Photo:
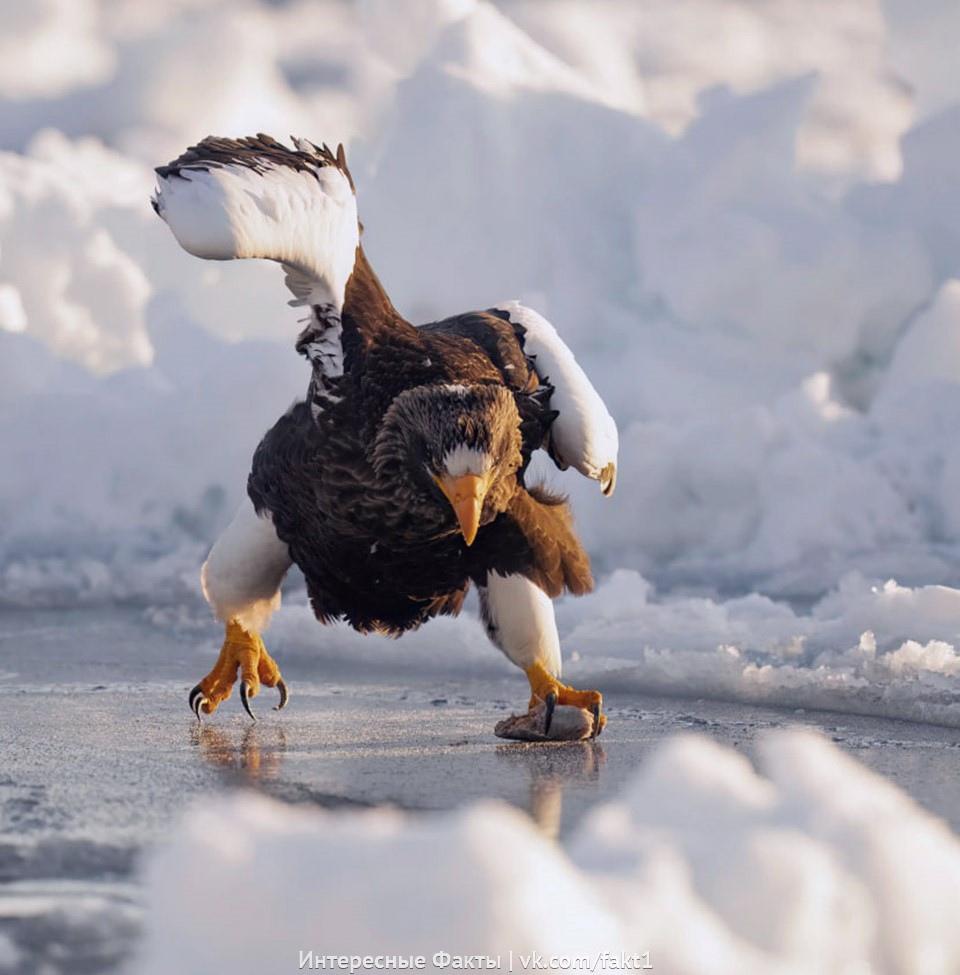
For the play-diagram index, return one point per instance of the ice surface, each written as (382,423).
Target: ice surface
(750,244)
(811,864)
(99,758)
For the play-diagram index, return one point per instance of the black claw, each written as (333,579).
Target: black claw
(550,702)
(596,720)
(284,695)
(197,700)
(244,692)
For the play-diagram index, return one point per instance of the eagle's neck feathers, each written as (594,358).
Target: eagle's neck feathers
(367,308)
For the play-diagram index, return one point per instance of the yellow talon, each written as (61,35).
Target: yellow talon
(544,687)
(242,653)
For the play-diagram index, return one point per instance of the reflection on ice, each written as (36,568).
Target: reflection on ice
(251,756)
(552,767)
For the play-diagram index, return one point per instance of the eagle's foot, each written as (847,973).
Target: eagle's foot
(546,690)
(242,653)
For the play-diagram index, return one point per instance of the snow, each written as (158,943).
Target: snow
(737,215)
(657,58)
(60,260)
(808,863)
(9,953)
(863,648)
(60,35)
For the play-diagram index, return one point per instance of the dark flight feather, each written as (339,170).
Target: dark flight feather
(256,153)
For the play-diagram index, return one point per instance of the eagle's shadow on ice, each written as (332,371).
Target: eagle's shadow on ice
(552,767)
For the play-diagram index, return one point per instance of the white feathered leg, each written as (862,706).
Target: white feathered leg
(520,621)
(243,572)
(241,581)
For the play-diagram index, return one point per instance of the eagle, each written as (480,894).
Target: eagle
(400,478)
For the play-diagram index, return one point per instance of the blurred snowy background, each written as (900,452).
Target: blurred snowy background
(744,217)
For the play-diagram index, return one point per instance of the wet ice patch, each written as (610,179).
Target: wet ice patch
(57,927)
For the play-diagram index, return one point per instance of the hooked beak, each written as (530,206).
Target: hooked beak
(465,494)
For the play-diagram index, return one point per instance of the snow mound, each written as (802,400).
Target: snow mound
(49,47)
(811,865)
(886,650)
(656,58)
(60,260)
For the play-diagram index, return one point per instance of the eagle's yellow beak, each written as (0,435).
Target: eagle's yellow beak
(465,494)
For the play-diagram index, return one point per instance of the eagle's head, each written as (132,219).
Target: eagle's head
(454,447)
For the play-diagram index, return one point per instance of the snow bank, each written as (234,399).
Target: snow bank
(885,650)
(137,67)
(812,864)
(50,47)
(112,488)
(60,261)
(657,57)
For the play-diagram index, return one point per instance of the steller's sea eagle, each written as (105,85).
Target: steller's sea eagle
(400,478)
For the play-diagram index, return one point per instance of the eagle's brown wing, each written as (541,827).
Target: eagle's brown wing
(535,538)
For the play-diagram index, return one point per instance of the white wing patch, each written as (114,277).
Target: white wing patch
(584,435)
(304,218)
